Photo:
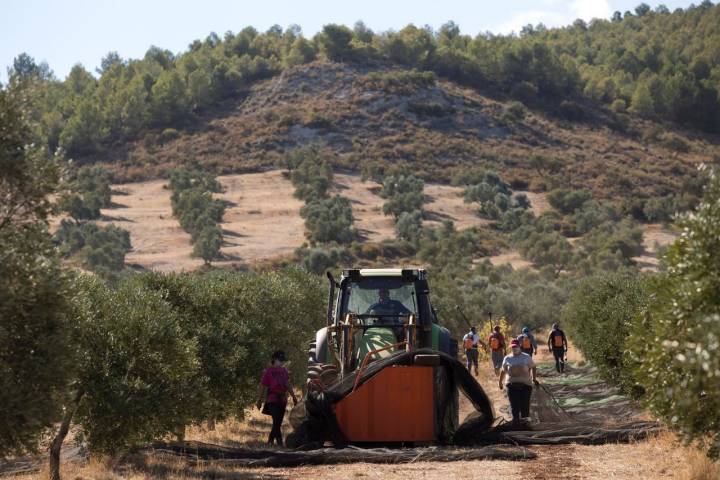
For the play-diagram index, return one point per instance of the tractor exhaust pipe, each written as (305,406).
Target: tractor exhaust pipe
(331,297)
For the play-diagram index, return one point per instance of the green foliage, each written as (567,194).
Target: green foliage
(197,211)
(678,364)
(237,320)
(335,43)
(102,249)
(592,214)
(409,226)
(567,201)
(328,220)
(34,341)
(497,201)
(599,317)
(320,260)
(135,366)
(313,177)
(89,191)
(34,289)
(610,246)
(524,297)
(542,245)
(398,81)
(514,111)
(661,209)
(444,245)
(404,193)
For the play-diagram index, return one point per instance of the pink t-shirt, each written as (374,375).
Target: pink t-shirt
(276,379)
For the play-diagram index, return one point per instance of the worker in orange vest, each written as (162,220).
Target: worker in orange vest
(496,342)
(527,342)
(471,341)
(558,346)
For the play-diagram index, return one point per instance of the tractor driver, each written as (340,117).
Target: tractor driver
(387,306)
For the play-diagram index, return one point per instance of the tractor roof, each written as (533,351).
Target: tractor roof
(414,273)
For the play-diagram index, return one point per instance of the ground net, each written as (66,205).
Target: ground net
(576,407)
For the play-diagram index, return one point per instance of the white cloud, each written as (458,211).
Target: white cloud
(589,9)
(556,13)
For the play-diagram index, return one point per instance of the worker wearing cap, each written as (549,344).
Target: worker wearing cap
(518,374)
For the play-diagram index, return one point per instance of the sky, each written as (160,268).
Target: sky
(64,33)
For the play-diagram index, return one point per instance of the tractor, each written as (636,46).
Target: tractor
(385,357)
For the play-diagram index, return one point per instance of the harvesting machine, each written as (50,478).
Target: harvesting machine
(383,370)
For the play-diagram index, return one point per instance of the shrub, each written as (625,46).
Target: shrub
(567,201)
(524,91)
(675,142)
(320,260)
(101,248)
(571,110)
(329,220)
(599,318)
(661,209)
(409,226)
(430,109)
(208,243)
(398,81)
(404,193)
(591,215)
(514,111)
(312,178)
(619,106)
(197,211)
(168,135)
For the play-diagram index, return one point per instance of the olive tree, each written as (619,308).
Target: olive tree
(677,341)
(33,289)
(133,369)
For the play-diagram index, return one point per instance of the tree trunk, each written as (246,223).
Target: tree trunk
(57,442)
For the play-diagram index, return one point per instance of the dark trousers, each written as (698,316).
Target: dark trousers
(519,397)
(559,354)
(277,412)
(472,358)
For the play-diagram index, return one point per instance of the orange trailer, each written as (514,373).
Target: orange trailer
(396,405)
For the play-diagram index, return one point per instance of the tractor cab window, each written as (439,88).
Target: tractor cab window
(380,301)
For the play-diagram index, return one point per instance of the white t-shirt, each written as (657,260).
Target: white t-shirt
(473,336)
(517,369)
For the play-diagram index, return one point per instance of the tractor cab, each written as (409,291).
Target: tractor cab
(374,313)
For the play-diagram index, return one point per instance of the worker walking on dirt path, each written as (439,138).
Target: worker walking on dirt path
(527,342)
(518,374)
(274,389)
(557,345)
(496,341)
(471,341)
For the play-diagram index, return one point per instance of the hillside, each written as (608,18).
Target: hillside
(262,221)
(435,127)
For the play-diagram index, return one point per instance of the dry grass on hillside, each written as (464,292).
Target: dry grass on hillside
(262,221)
